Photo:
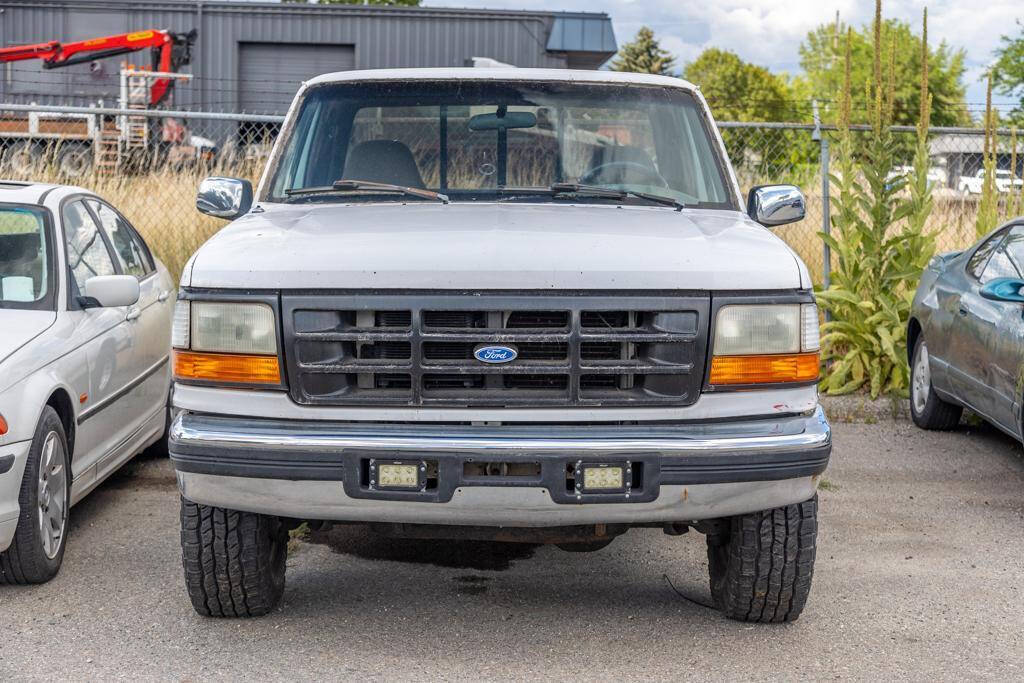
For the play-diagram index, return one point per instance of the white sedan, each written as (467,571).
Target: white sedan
(85,324)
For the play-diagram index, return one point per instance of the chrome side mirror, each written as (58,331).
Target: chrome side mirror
(772,205)
(226,198)
(107,291)
(1004,289)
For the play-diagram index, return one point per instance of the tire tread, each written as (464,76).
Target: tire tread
(761,571)
(233,561)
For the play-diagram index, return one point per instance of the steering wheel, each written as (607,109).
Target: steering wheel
(646,174)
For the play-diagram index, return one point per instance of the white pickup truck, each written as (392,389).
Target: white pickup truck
(1005,182)
(514,304)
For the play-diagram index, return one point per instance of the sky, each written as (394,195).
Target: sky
(769,32)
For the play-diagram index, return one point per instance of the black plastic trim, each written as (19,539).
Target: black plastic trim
(6,463)
(657,470)
(574,368)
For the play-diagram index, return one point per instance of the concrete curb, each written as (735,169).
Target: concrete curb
(861,408)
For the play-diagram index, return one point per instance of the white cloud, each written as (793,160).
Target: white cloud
(769,32)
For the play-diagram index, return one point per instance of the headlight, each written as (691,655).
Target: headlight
(233,328)
(765,344)
(225,342)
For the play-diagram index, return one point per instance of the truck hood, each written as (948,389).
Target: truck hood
(18,327)
(493,246)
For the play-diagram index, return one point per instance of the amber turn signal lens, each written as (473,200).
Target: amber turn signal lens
(764,369)
(3,425)
(226,367)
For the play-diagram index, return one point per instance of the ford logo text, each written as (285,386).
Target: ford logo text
(495,354)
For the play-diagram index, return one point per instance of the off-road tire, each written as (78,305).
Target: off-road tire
(234,561)
(936,414)
(25,561)
(761,563)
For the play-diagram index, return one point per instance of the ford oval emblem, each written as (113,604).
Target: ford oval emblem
(495,354)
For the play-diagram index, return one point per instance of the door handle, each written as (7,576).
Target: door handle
(163,296)
(133,314)
(963,311)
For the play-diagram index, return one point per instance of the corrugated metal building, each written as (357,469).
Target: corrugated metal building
(251,56)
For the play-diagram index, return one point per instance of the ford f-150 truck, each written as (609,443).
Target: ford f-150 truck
(509,304)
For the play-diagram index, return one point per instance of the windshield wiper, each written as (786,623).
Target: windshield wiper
(355,185)
(601,191)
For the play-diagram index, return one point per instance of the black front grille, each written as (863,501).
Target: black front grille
(418,349)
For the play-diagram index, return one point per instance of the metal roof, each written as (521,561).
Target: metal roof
(954,143)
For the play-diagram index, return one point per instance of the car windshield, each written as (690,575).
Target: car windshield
(507,140)
(25,258)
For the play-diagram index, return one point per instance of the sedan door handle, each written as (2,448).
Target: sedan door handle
(163,296)
(133,314)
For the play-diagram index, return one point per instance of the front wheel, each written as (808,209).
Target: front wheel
(926,408)
(234,561)
(761,563)
(36,553)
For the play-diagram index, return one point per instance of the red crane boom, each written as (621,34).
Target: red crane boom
(170,52)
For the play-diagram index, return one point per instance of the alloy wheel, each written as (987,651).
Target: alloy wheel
(922,384)
(52,496)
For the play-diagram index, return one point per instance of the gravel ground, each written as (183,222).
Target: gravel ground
(919,576)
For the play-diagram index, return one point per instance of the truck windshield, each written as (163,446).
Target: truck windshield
(485,140)
(25,259)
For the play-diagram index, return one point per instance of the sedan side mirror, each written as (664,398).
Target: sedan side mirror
(224,197)
(772,205)
(109,291)
(1003,289)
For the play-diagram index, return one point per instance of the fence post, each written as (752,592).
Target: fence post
(826,222)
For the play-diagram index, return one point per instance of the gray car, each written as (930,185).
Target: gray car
(966,334)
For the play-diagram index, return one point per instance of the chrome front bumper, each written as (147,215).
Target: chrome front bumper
(319,470)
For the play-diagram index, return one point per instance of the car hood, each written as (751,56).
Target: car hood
(18,327)
(493,246)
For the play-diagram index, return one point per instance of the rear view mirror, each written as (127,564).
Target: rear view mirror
(772,205)
(224,197)
(110,290)
(1003,289)
(503,120)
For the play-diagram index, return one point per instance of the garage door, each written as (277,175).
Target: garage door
(272,72)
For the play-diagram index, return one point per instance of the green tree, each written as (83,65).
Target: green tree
(644,54)
(740,91)
(821,56)
(406,3)
(1008,72)
(737,90)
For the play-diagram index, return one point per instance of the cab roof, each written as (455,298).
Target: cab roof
(501,74)
(20,192)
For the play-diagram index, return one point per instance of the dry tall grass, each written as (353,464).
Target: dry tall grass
(161,205)
(951,221)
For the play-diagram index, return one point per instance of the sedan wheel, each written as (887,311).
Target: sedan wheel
(37,550)
(922,379)
(53,495)
(926,408)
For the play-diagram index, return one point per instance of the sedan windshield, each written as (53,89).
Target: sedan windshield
(511,140)
(25,258)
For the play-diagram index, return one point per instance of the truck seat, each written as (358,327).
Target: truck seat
(383,161)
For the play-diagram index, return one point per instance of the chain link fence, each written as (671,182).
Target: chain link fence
(149,164)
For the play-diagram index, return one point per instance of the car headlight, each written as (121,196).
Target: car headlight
(225,342)
(765,344)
